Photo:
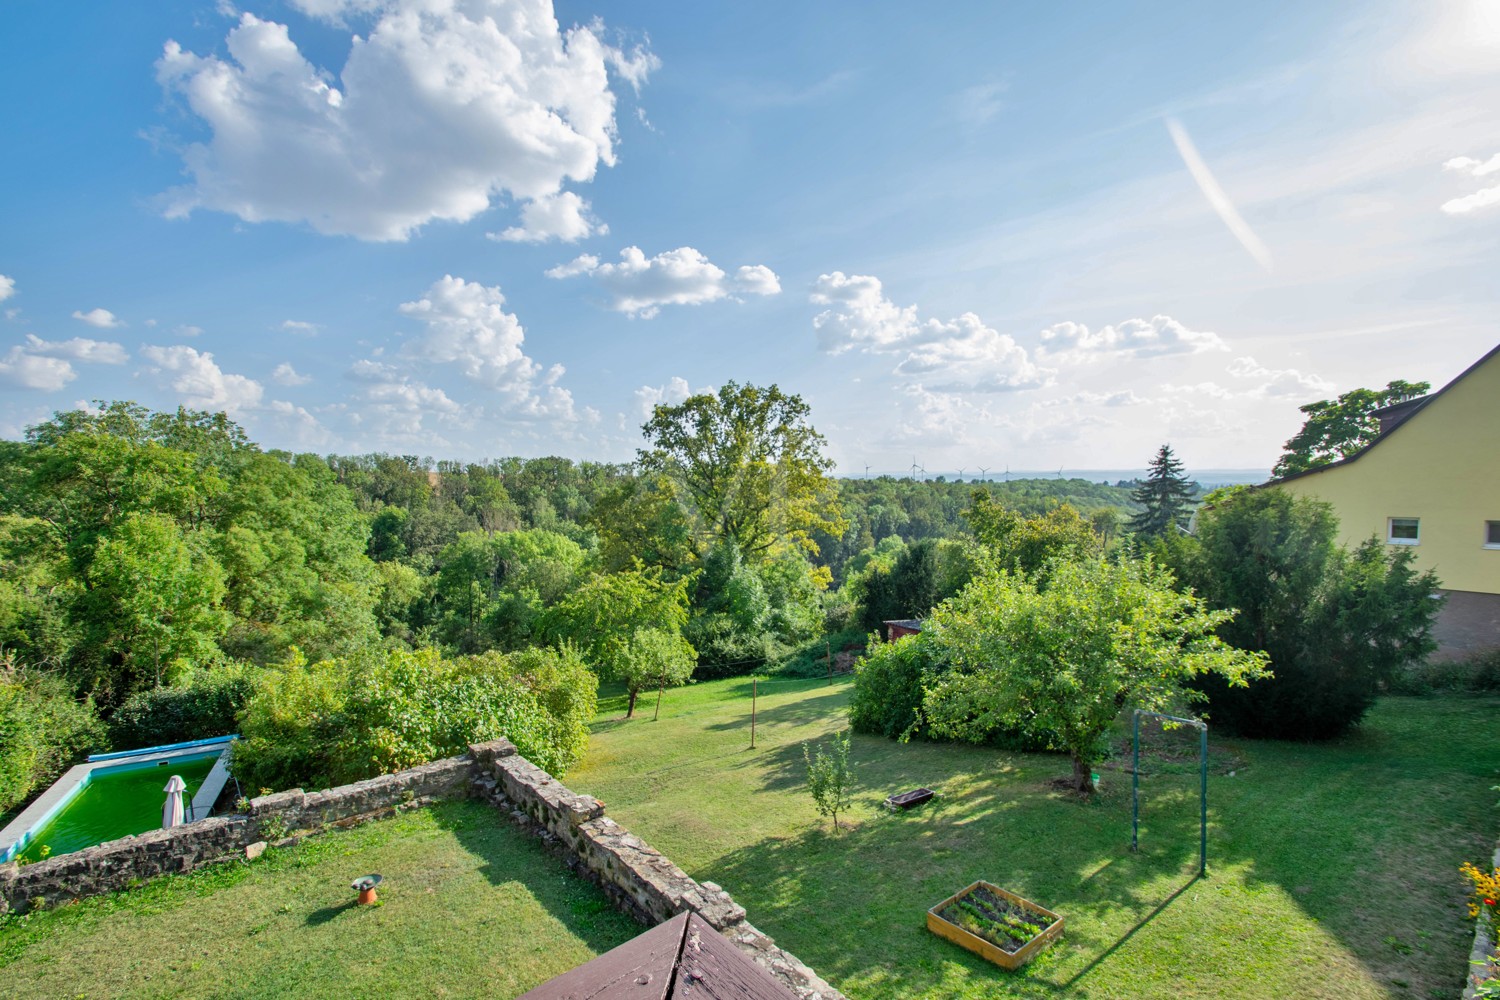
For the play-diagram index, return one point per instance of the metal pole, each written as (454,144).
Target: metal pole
(1135,779)
(753,682)
(1203,800)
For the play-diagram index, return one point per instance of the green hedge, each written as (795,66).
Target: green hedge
(337,721)
(205,708)
(43,731)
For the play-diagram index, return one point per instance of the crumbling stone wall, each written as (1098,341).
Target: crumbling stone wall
(638,877)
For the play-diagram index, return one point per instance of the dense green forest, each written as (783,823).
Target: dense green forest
(162,577)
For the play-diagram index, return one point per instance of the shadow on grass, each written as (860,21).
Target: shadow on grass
(1102,956)
(853,904)
(512,856)
(803,712)
(318,918)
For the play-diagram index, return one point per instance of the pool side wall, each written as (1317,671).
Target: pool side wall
(636,876)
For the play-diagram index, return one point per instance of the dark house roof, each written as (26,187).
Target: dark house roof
(1392,418)
(681,959)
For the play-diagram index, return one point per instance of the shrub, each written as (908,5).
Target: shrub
(204,708)
(43,731)
(339,721)
(1479,674)
(1338,625)
(887,698)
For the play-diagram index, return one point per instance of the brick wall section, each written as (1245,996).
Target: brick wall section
(637,876)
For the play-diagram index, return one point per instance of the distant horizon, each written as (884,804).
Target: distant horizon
(1214,476)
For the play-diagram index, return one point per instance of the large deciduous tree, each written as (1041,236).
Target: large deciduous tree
(1337,428)
(751,465)
(1059,663)
(1166,497)
(153,608)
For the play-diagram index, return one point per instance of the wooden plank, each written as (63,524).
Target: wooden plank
(639,969)
(712,968)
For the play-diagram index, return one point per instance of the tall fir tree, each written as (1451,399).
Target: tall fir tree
(1166,496)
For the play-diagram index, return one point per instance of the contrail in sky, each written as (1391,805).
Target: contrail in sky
(1216,196)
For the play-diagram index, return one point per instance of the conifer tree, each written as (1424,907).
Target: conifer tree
(1166,495)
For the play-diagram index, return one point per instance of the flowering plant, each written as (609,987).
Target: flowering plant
(1486,894)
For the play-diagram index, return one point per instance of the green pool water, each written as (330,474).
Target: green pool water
(115,804)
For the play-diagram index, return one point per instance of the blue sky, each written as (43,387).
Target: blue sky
(990,234)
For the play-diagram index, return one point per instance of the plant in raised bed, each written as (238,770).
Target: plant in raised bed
(996,924)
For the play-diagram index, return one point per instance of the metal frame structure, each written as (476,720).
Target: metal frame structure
(1135,781)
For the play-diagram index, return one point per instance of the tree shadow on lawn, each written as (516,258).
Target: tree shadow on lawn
(1362,835)
(803,712)
(512,855)
(853,904)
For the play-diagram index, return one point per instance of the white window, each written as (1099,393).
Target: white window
(1403,530)
(1492,534)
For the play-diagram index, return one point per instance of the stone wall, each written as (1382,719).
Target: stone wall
(643,881)
(639,878)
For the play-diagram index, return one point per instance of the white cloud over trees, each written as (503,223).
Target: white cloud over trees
(960,354)
(198,381)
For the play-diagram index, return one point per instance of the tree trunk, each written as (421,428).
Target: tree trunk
(630,709)
(1083,777)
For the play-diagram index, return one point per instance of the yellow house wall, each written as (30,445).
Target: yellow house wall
(1442,466)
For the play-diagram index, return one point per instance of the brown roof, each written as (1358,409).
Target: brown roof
(683,958)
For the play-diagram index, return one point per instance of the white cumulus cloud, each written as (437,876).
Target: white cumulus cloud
(1074,343)
(440,107)
(20,369)
(300,326)
(465,325)
(98,352)
(676,390)
(1279,381)
(1484,197)
(961,354)
(285,374)
(639,285)
(7,287)
(198,380)
(102,318)
(564,217)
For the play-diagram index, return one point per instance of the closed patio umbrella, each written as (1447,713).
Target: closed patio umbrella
(171,811)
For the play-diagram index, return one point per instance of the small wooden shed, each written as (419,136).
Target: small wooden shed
(896,628)
(681,959)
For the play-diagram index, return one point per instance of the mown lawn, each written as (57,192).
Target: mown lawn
(1333,868)
(470,907)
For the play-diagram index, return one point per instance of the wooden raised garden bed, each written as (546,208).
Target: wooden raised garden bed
(905,800)
(995,924)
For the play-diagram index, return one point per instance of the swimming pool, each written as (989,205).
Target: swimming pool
(116,803)
(116,795)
